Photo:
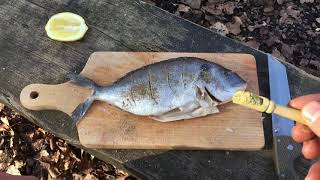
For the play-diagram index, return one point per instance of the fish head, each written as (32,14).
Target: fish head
(224,84)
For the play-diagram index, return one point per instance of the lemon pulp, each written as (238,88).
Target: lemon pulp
(66,26)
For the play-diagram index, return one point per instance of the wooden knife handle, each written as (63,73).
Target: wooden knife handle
(63,97)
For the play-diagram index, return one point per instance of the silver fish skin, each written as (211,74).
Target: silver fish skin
(174,89)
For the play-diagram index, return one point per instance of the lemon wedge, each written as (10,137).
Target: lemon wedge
(66,26)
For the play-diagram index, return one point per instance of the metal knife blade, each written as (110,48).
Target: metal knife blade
(286,151)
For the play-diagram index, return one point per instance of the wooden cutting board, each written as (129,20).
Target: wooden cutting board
(104,126)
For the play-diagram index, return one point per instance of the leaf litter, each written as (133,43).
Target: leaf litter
(288,29)
(26,149)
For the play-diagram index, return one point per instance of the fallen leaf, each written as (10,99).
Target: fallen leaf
(3,166)
(66,165)
(74,156)
(213,9)
(216,1)
(55,157)
(54,172)
(41,130)
(234,28)
(220,28)
(183,8)
(304,62)
(61,145)
(76,176)
(272,40)
(90,177)
(253,43)
(287,50)
(290,16)
(19,164)
(280,2)
(306,1)
(45,165)
(256,26)
(44,153)
(228,7)
(268,6)
(52,144)
(1,106)
(13,170)
(315,63)
(4,127)
(37,145)
(194,4)
(5,121)
(11,142)
(276,53)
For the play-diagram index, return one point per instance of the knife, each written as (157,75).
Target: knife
(289,161)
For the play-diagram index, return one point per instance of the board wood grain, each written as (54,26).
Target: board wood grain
(105,126)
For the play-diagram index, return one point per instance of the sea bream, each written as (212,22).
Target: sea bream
(169,90)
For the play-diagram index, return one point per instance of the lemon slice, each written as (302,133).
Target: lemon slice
(66,26)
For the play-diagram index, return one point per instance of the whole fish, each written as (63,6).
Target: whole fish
(174,89)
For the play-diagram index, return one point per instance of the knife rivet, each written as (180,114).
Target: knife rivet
(290,147)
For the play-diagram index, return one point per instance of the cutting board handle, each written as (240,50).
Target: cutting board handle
(63,97)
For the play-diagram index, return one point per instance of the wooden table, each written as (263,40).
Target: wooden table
(28,56)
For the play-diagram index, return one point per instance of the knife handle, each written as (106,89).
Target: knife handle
(63,97)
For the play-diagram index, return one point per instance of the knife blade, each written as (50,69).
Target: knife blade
(287,153)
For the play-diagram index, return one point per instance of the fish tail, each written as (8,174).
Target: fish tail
(83,107)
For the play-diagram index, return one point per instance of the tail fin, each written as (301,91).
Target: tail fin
(82,108)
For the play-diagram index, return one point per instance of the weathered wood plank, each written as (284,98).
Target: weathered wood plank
(28,56)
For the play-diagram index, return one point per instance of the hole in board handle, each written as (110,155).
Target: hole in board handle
(34,95)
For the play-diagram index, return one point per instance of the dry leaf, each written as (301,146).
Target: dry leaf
(90,177)
(253,43)
(11,142)
(54,172)
(276,53)
(55,156)
(280,2)
(306,1)
(5,121)
(268,6)
(1,106)
(74,157)
(41,130)
(315,63)
(51,143)
(77,176)
(13,170)
(183,8)
(234,28)
(194,4)
(228,7)
(44,153)
(37,145)
(212,9)
(4,127)
(290,15)
(220,28)
(287,50)
(19,164)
